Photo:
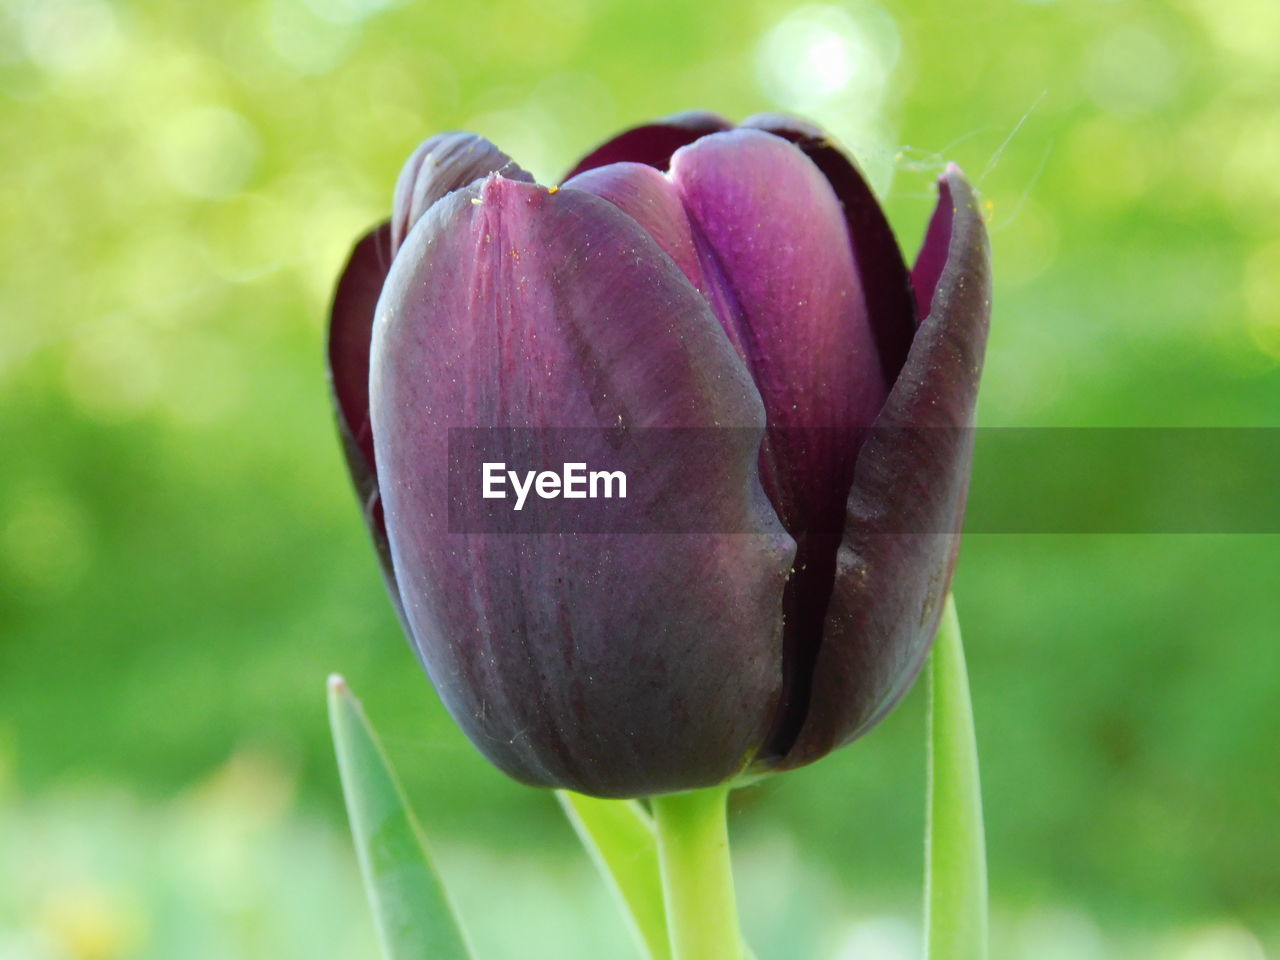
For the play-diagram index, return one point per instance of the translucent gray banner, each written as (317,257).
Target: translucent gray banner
(1025,480)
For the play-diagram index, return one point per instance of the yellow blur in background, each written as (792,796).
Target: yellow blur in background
(182,562)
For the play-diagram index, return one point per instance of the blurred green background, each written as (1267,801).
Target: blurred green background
(182,562)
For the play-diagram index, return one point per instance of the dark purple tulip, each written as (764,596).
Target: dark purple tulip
(687,274)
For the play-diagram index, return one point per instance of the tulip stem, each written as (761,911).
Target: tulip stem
(697,877)
(955,907)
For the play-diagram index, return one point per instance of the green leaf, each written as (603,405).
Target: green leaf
(955,852)
(411,909)
(619,836)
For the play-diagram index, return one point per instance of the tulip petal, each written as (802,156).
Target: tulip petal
(350,332)
(933,255)
(653,143)
(596,663)
(649,198)
(906,508)
(777,254)
(890,304)
(441,164)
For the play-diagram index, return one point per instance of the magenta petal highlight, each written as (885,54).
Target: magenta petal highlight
(890,302)
(934,252)
(649,198)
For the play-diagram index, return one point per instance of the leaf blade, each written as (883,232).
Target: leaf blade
(411,908)
(620,839)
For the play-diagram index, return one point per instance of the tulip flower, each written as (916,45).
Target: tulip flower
(687,274)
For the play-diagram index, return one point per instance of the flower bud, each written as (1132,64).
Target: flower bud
(687,277)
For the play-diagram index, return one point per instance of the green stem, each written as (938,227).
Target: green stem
(955,915)
(697,879)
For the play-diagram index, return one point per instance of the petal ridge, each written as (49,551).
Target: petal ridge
(441,164)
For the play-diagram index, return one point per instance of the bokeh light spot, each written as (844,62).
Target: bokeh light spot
(245,236)
(885,938)
(1262,299)
(91,923)
(348,11)
(44,542)
(306,42)
(1221,942)
(1060,933)
(208,151)
(1108,163)
(832,64)
(70,36)
(113,370)
(1025,241)
(1131,70)
(212,386)
(819,52)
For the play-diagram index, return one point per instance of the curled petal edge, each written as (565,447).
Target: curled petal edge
(653,143)
(906,507)
(350,334)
